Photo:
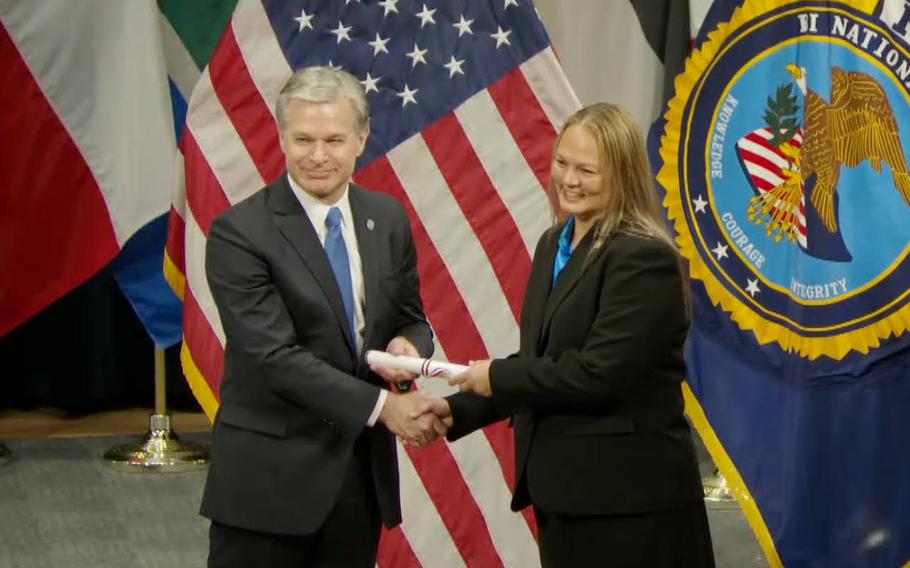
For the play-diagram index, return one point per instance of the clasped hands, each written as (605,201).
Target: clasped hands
(418,419)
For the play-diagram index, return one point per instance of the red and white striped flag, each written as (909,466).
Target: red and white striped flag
(466,100)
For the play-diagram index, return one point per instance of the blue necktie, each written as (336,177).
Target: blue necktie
(338,258)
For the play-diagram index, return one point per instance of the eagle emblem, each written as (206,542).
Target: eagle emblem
(784,156)
(857,125)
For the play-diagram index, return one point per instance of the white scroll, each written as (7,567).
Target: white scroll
(425,367)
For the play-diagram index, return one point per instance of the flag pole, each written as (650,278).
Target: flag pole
(5,454)
(161,450)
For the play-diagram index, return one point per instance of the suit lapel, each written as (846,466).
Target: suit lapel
(568,279)
(368,246)
(537,294)
(294,224)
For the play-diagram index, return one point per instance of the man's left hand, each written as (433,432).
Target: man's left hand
(398,346)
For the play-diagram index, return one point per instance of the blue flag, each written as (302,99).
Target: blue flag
(783,158)
(138,271)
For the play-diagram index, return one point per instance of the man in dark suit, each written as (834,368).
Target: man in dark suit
(308,274)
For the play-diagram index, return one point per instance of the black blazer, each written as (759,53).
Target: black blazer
(595,388)
(294,395)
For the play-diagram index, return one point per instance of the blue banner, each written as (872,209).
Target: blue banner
(783,161)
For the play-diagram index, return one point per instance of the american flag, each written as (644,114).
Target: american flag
(466,98)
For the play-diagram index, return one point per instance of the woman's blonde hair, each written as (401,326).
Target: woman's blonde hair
(631,199)
(631,204)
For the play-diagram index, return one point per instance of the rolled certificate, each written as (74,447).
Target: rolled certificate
(425,367)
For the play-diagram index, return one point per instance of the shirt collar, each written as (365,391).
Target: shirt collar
(317,211)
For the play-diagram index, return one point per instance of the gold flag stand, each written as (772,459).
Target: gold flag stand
(161,450)
(5,454)
(716,488)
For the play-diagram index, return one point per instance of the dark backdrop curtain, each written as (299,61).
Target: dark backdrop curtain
(87,352)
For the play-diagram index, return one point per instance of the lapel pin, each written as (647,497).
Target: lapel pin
(370,224)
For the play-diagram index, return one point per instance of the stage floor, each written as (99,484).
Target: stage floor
(62,506)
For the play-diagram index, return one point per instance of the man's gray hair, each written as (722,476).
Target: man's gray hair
(323,84)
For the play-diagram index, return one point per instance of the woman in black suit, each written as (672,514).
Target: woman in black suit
(603,452)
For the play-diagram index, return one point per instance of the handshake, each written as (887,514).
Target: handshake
(416,419)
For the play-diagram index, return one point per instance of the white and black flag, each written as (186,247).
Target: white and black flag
(625,52)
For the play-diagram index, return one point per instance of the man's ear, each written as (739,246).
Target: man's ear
(362,139)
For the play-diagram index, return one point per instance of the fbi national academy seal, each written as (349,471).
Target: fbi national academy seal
(785,161)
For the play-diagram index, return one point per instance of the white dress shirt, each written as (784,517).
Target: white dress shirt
(317,211)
